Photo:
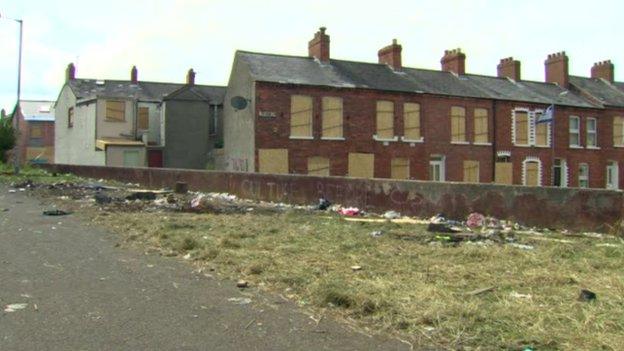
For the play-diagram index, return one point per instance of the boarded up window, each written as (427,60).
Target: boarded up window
(273,161)
(131,158)
(332,117)
(471,171)
(143,120)
(39,154)
(116,110)
(481,125)
(458,124)
(301,116)
(411,121)
(318,166)
(521,124)
(36,131)
(504,173)
(541,134)
(361,165)
(70,117)
(399,168)
(531,173)
(618,131)
(385,119)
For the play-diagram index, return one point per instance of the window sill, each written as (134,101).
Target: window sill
(375,137)
(405,140)
(593,148)
(482,144)
(618,146)
(577,147)
(333,138)
(542,146)
(301,137)
(460,142)
(521,145)
(114,120)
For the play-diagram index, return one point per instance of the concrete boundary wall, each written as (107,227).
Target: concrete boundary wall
(572,208)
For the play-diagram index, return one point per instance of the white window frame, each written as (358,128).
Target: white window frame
(583,177)
(563,165)
(574,131)
(593,132)
(531,129)
(513,126)
(614,183)
(439,162)
(539,170)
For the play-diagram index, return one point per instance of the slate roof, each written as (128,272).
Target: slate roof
(609,94)
(37,110)
(213,94)
(349,74)
(145,91)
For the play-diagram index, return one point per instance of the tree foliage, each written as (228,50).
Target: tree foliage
(7,137)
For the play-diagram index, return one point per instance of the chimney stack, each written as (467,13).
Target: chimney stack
(556,67)
(134,75)
(604,70)
(318,47)
(70,72)
(190,77)
(454,61)
(391,55)
(510,68)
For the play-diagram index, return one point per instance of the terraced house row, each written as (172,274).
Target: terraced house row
(321,116)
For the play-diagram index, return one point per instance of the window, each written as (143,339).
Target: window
(385,120)
(583,176)
(143,120)
(361,165)
(332,117)
(592,133)
(436,168)
(471,171)
(481,125)
(318,166)
(532,173)
(618,131)
(411,121)
(70,117)
(458,124)
(504,170)
(521,127)
(36,131)
(560,173)
(116,111)
(399,168)
(612,175)
(300,116)
(273,161)
(541,131)
(575,133)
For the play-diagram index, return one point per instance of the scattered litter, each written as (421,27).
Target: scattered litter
(180,188)
(376,233)
(587,295)
(323,204)
(607,245)
(520,296)
(367,220)
(475,220)
(481,291)
(141,195)
(102,199)
(593,235)
(349,211)
(55,213)
(187,256)
(14,307)
(391,215)
(242,284)
(443,228)
(356,268)
(240,300)
(12,190)
(522,246)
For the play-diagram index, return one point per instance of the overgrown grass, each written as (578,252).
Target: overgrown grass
(412,288)
(36,174)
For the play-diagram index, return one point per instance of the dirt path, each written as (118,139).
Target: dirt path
(70,288)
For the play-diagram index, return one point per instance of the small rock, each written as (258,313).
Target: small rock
(242,283)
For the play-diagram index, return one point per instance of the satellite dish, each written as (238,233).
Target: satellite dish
(238,102)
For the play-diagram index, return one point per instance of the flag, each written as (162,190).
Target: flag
(547,116)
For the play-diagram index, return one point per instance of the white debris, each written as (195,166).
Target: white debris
(240,300)
(14,307)
(391,215)
(520,296)
(522,246)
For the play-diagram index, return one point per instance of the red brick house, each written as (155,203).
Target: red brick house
(36,131)
(321,116)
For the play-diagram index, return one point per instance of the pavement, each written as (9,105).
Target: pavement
(64,285)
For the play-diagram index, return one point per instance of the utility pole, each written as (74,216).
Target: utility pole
(18,108)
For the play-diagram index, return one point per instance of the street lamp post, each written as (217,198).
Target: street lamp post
(16,156)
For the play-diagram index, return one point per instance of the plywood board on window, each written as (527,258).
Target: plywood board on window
(531,174)
(618,130)
(522,127)
(116,110)
(332,117)
(458,124)
(301,116)
(273,161)
(399,168)
(504,173)
(411,121)
(541,134)
(385,119)
(36,131)
(481,125)
(318,166)
(143,118)
(471,171)
(361,165)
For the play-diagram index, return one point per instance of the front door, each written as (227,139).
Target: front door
(612,175)
(154,158)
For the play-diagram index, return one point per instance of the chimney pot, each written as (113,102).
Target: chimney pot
(510,68)
(603,69)
(318,47)
(556,69)
(70,72)
(190,77)
(134,75)
(391,55)
(454,61)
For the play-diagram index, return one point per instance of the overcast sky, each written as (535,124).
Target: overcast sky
(166,38)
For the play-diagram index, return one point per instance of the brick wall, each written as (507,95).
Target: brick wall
(576,209)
